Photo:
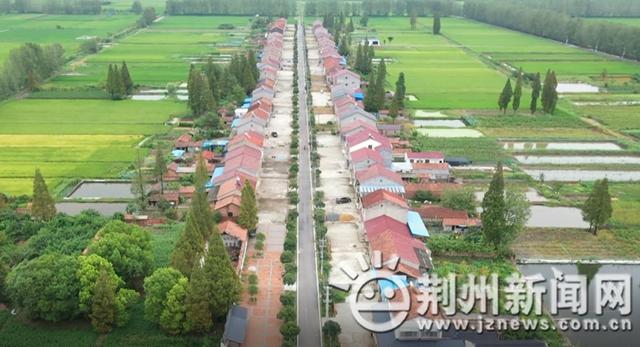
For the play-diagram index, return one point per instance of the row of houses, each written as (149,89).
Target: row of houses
(391,227)
(255,112)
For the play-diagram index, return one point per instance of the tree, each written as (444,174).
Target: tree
(190,244)
(493,210)
(517,93)
(118,89)
(200,95)
(45,287)
(597,208)
(173,318)
(89,269)
(248,217)
(248,79)
(126,78)
(127,247)
(381,79)
(436,24)
(459,199)
(139,183)
(223,284)
(505,96)
(370,104)
(156,289)
(517,214)
(160,167)
(401,90)
(331,329)
(103,307)
(199,315)
(413,20)
(535,93)
(359,57)
(136,7)
(549,93)
(289,331)
(200,203)
(32,81)
(148,17)
(350,27)
(364,19)
(343,47)
(393,110)
(42,205)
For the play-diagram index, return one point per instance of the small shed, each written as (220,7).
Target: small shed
(457,161)
(416,225)
(235,329)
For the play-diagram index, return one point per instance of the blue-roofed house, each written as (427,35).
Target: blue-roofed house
(219,171)
(177,154)
(211,145)
(416,225)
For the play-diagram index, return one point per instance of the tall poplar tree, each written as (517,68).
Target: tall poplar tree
(493,210)
(160,167)
(505,96)
(248,217)
(401,90)
(199,315)
(517,93)
(381,79)
(188,247)
(126,78)
(436,24)
(535,93)
(200,203)
(103,306)
(370,95)
(549,93)
(42,205)
(224,286)
(139,183)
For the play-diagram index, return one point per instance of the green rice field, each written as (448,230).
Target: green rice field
(67,30)
(438,74)
(161,53)
(70,139)
(531,53)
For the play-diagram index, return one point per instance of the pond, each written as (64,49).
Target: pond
(429,114)
(594,338)
(563,146)
(439,123)
(104,208)
(592,159)
(556,217)
(450,132)
(565,87)
(583,175)
(102,190)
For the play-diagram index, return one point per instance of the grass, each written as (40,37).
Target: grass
(161,53)
(531,53)
(163,239)
(439,74)
(479,150)
(615,117)
(16,29)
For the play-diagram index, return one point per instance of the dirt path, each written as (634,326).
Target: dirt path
(606,130)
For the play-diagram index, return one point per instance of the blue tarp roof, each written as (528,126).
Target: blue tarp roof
(416,225)
(246,105)
(235,122)
(391,285)
(247,100)
(358,96)
(216,172)
(215,143)
(177,153)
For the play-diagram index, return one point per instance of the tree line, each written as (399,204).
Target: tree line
(611,38)
(546,93)
(377,8)
(119,83)
(586,8)
(28,65)
(51,6)
(280,8)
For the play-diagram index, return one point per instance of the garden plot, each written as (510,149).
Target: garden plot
(439,123)
(104,208)
(562,146)
(450,132)
(556,217)
(582,175)
(429,114)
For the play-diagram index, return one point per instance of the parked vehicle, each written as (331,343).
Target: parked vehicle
(274,134)
(343,200)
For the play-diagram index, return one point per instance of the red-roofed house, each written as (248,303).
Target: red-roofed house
(349,129)
(392,238)
(364,158)
(379,176)
(437,213)
(243,150)
(459,224)
(235,239)
(436,171)
(384,203)
(229,207)
(435,188)
(371,140)
(250,138)
(345,78)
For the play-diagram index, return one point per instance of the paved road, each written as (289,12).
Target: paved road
(308,305)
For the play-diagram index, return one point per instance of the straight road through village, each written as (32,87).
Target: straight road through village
(308,305)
